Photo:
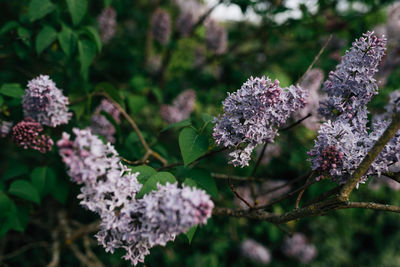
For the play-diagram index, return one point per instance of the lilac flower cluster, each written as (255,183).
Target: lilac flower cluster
(255,252)
(5,128)
(216,38)
(299,248)
(393,23)
(311,82)
(100,125)
(161,26)
(181,107)
(107,24)
(109,189)
(27,134)
(45,103)
(184,24)
(344,142)
(252,114)
(352,84)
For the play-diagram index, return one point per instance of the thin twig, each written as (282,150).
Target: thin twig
(237,194)
(149,151)
(296,123)
(303,190)
(315,59)
(206,155)
(23,249)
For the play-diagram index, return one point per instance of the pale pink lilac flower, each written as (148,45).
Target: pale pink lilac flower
(216,38)
(27,134)
(161,26)
(312,82)
(45,103)
(5,128)
(255,252)
(252,115)
(107,23)
(100,125)
(184,24)
(109,189)
(181,107)
(299,248)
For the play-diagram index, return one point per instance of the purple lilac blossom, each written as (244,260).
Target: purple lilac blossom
(393,23)
(45,103)
(27,134)
(252,115)
(181,107)
(216,38)
(109,189)
(161,26)
(352,84)
(255,252)
(100,125)
(5,128)
(312,82)
(299,248)
(107,24)
(343,142)
(184,24)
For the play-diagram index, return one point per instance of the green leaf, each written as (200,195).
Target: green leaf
(94,35)
(24,34)
(136,103)
(16,218)
(45,38)
(15,169)
(1,100)
(68,40)
(5,204)
(8,26)
(205,181)
(111,91)
(207,118)
(151,184)
(13,90)
(43,179)
(77,10)
(190,182)
(145,172)
(87,52)
(190,234)
(25,190)
(178,124)
(59,191)
(192,145)
(40,8)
